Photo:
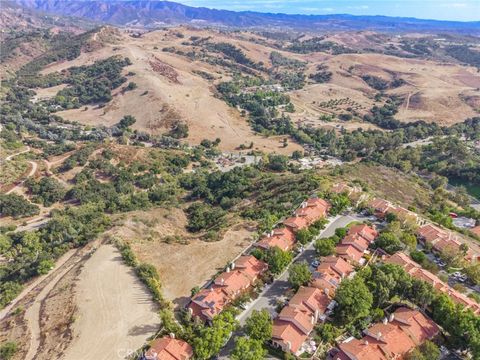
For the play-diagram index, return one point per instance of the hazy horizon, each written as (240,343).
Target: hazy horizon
(466,10)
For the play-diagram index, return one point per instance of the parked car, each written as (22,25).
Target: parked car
(315,263)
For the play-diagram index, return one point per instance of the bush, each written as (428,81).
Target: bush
(8,350)
(17,206)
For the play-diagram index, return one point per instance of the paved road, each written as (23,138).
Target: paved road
(275,292)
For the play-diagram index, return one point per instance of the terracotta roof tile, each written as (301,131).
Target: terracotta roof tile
(169,349)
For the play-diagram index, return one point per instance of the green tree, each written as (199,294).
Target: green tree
(328,332)
(8,350)
(126,121)
(299,274)
(248,349)
(354,300)
(324,247)
(388,242)
(259,325)
(304,236)
(211,338)
(277,162)
(277,259)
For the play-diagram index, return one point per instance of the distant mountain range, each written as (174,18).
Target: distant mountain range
(151,14)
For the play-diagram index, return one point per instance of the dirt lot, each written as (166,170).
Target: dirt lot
(115,312)
(187,262)
(88,307)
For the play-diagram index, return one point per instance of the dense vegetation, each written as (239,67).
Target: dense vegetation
(322,75)
(91,84)
(318,44)
(376,287)
(34,252)
(17,206)
(464,54)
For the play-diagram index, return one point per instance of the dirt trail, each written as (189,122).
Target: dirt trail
(116,313)
(32,171)
(32,315)
(4,312)
(10,157)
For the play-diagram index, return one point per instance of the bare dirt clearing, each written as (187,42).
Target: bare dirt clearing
(115,311)
(186,263)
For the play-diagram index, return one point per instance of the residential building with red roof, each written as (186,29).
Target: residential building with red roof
(226,287)
(383,207)
(415,270)
(283,238)
(313,209)
(296,223)
(476,230)
(168,348)
(367,232)
(380,207)
(310,210)
(350,254)
(392,339)
(327,281)
(296,321)
(444,241)
(355,244)
(208,303)
(337,264)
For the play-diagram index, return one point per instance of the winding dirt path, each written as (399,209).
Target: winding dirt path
(4,312)
(10,157)
(33,170)
(32,314)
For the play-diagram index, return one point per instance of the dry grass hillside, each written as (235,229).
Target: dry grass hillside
(176,86)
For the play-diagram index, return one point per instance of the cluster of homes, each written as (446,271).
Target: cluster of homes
(314,303)
(416,271)
(240,277)
(382,208)
(443,241)
(283,237)
(246,270)
(354,246)
(393,338)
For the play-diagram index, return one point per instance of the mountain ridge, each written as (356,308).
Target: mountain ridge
(152,14)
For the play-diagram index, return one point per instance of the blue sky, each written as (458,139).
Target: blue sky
(462,10)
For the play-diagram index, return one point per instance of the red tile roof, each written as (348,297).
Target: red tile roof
(360,243)
(391,339)
(283,238)
(169,349)
(476,230)
(291,337)
(443,240)
(380,205)
(296,320)
(208,303)
(417,272)
(311,299)
(296,223)
(227,287)
(337,264)
(365,231)
(250,266)
(349,253)
(313,209)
